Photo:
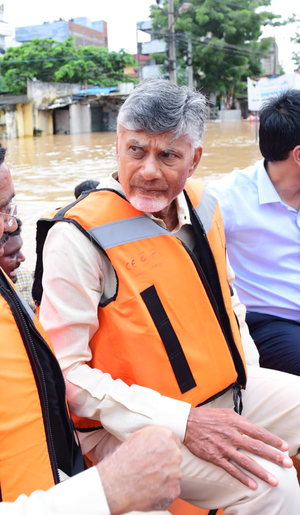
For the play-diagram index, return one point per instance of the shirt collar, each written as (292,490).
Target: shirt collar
(267,194)
(183,213)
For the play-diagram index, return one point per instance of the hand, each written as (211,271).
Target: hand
(143,473)
(216,435)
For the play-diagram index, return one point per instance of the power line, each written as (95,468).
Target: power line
(225,46)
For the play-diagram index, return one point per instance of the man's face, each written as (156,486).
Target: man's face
(6,195)
(152,169)
(12,256)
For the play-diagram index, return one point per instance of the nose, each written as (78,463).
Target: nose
(20,257)
(150,169)
(10,228)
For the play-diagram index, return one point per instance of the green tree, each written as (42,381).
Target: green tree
(224,37)
(296,55)
(52,61)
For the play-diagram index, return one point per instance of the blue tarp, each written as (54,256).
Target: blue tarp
(96,90)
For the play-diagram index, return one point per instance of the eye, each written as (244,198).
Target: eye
(137,151)
(168,155)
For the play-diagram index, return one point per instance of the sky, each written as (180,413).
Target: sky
(122,15)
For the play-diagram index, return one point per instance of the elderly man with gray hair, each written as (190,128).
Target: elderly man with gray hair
(138,304)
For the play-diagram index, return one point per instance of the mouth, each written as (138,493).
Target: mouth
(13,274)
(148,191)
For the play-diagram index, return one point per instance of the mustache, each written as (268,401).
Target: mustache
(4,238)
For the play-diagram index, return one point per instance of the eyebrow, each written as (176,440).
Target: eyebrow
(8,201)
(142,145)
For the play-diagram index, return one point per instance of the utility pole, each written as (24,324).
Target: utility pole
(172,46)
(137,51)
(190,65)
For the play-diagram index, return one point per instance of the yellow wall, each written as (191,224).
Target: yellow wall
(28,119)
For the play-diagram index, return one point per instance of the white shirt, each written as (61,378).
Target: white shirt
(76,276)
(263,241)
(80,494)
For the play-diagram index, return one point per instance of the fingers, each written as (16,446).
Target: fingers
(259,448)
(261,434)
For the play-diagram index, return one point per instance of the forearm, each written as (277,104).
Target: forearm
(122,409)
(80,494)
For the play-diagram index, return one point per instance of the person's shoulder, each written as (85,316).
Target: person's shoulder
(235,179)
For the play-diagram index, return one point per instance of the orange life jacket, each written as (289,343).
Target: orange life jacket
(170,326)
(36,431)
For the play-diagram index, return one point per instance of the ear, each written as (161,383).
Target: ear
(195,161)
(117,147)
(296,154)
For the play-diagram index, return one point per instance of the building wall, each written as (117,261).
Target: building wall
(85,32)
(57,30)
(19,121)
(230,115)
(45,121)
(80,118)
(43,93)
(11,122)
(28,119)
(86,36)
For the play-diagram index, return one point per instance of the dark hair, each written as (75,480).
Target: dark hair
(85,186)
(17,231)
(279,130)
(2,154)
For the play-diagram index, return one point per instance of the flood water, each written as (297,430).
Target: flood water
(46,169)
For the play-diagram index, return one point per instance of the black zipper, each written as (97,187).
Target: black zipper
(14,303)
(200,233)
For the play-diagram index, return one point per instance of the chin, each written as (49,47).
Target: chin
(148,204)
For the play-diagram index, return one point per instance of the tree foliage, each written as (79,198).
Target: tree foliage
(296,55)
(52,61)
(224,37)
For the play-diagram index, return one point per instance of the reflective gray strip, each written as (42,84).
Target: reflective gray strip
(126,231)
(206,209)
(26,306)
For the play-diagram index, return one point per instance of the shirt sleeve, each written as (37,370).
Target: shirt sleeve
(222,191)
(82,493)
(250,349)
(75,275)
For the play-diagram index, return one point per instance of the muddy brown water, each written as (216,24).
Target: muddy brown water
(46,169)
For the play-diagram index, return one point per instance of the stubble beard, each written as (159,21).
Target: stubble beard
(148,204)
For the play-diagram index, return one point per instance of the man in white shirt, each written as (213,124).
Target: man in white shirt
(138,306)
(120,483)
(261,213)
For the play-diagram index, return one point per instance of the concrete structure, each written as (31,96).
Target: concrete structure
(16,116)
(44,94)
(57,108)
(149,68)
(5,30)
(85,31)
(270,63)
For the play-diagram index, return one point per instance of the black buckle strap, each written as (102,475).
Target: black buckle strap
(237,399)
(170,340)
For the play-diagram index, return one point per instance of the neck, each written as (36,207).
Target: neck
(285,177)
(169,216)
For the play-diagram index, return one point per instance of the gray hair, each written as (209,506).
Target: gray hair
(157,105)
